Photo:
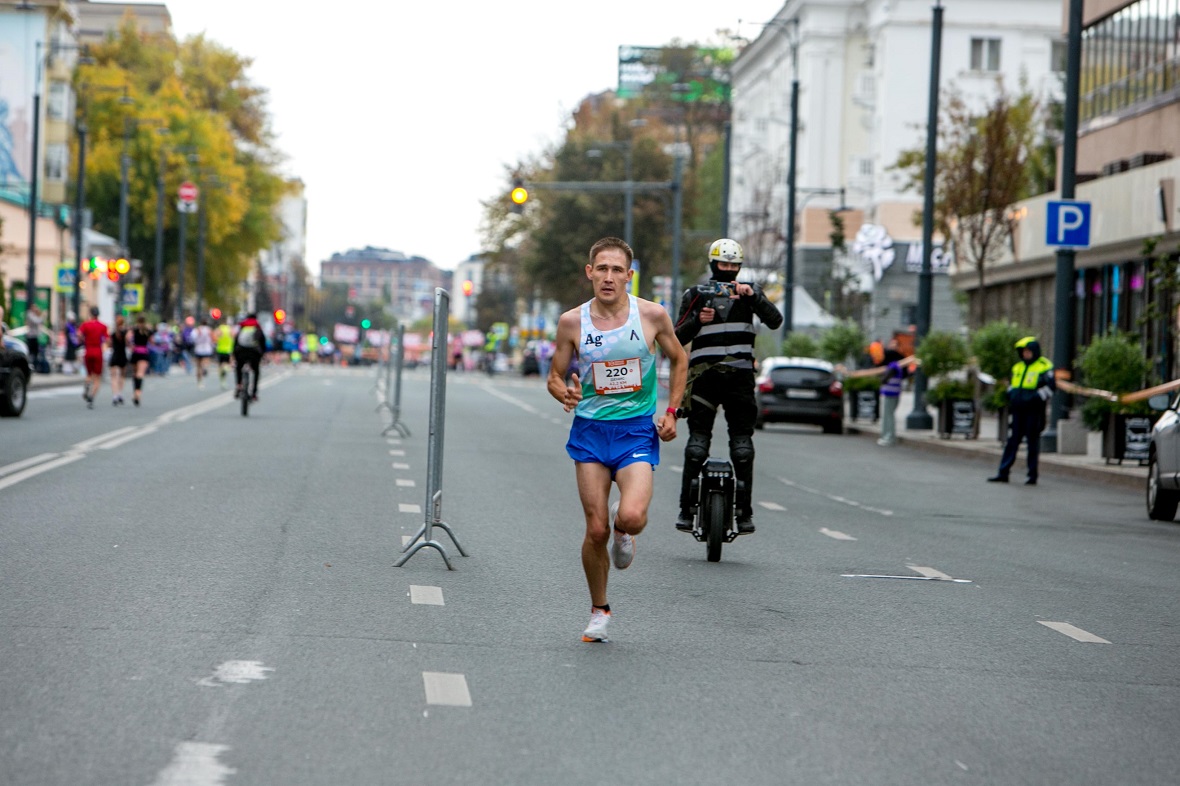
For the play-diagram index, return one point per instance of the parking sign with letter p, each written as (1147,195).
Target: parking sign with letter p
(1068,224)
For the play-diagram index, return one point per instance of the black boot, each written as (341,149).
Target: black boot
(998,479)
(684,521)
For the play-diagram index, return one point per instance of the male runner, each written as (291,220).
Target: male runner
(613,397)
(94,337)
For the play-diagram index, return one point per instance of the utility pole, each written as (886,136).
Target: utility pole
(79,209)
(789,266)
(919,419)
(1063,335)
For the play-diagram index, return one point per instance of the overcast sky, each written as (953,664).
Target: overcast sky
(401,117)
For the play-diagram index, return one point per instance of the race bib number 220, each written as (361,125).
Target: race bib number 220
(617,376)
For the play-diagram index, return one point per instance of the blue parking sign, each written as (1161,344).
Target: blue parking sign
(1068,224)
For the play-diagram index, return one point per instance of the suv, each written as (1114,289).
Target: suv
(1163,468)
(799,390)
(14,374)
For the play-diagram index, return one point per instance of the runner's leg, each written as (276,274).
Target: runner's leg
(635,491)
(594,491)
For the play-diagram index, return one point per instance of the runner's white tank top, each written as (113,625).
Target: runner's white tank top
(616,368)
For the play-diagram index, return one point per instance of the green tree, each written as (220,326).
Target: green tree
(842,342)
(1114,362)
(800,345)
(217,136)
(986,162)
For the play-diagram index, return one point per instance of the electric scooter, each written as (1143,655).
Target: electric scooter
(715,491)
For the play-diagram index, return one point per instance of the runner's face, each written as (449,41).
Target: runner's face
(610,274)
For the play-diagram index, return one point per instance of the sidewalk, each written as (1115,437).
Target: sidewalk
(987,449)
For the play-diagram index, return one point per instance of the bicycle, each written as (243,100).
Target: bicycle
(247,386)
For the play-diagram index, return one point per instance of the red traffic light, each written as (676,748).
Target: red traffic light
(112,274)
(215,313)
(468,287)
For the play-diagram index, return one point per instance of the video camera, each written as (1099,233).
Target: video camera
(717,295)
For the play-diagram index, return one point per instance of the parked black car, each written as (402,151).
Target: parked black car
(14,375)
(1163,459)
(799,390)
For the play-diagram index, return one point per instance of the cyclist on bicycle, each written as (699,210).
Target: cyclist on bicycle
(718,318)
(249,347)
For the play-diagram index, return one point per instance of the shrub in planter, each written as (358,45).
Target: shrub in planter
(854,384)
(949,390)
(1114,362)
(800,345)
(994,348)
(942,354)
(841,342)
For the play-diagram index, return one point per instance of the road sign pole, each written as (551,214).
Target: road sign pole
(1063,319)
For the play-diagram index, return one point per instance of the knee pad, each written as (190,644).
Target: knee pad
(741,450)
(697,449)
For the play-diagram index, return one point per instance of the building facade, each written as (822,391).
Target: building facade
(863,71)
(403,284)
(1128,143)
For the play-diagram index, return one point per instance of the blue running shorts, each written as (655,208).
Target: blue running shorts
(614,443)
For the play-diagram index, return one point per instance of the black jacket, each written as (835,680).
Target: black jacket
(730,341)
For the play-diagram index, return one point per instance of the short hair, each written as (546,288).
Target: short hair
(611,242)
(94,311)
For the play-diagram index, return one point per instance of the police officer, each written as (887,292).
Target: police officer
(1030,386)
(720,326)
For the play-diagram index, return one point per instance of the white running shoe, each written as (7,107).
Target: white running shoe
(622,547)
(596,630)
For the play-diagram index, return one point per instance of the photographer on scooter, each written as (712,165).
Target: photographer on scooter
(718,318)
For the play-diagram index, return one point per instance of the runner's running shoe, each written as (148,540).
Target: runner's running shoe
(622,547)
(596,630)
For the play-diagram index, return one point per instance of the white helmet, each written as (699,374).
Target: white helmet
(726,250)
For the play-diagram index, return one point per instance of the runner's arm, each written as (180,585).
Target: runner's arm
(677,371)
(563,354)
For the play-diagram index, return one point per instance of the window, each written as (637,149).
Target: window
(985,54)
(57,159)
(57,105)
(1130,57)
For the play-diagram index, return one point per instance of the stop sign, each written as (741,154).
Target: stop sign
(187,192)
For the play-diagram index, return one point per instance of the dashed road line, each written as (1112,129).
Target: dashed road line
(929,572)
(449,690)
(835,534)
(23,475)
(405,483)
(195,764)
(408,507)
(1074,632)
(427,595)
(772,506)
(835,498)
(400,465)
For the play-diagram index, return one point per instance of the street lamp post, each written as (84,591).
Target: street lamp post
(79,208)
(31,279)
(919,419)
(202,218)
(158,275)
(789,263)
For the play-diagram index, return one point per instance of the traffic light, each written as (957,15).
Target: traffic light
(280,315)
(122,266)
(215,313)
(468,287)
(519,195)
(366,324)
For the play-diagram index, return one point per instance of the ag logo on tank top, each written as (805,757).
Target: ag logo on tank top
(596,341)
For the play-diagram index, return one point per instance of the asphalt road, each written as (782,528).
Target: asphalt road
(192,597)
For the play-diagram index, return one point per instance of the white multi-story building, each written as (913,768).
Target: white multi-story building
(864,73)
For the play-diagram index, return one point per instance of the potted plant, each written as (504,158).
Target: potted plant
(1116,363)
(864,397)
(994,348)
(944,360)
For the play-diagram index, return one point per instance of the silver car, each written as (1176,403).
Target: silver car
(1163,464)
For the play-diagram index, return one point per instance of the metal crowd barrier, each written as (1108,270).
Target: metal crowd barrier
(393,394)
(434,457)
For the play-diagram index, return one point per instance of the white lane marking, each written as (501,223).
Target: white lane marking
(1074,632)
(405,483)
(24,475)
(8,469)
(397,453)
(929,572)
(89,444)
(446,689)
(195,764)
(835,534)
(143,432)
(406,539)
(430,596)
(676,468)
(772,506)
(908,578)
(400,465)
(239,672)
(408,507)
(835,498)
(511,400)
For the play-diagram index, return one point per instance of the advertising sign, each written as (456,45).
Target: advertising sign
(702,73)
(18,32)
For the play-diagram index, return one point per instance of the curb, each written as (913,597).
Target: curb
(1048,465)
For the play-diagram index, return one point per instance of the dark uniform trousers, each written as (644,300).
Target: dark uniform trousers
(732,389)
